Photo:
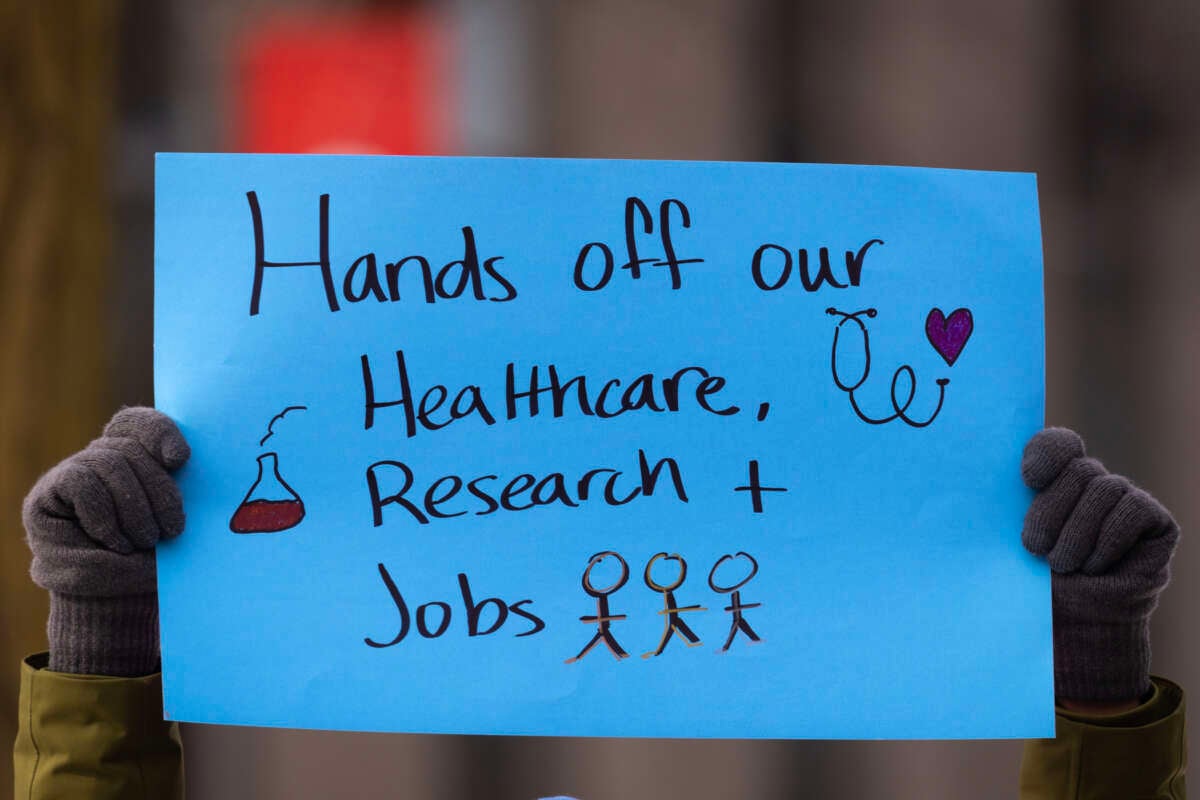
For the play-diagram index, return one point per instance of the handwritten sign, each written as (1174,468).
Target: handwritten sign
(601,448)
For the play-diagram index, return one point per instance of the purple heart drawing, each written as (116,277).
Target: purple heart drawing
(949,335)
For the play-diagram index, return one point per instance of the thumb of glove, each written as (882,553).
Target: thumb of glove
(154,431)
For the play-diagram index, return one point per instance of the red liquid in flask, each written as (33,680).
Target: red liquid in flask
(266,516)
(271,505)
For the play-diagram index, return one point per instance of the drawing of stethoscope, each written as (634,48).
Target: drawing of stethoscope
(849,386)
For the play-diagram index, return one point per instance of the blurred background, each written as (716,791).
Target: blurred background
(1100,98)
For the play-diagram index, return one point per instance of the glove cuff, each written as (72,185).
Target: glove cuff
(1097,661)
(116,636)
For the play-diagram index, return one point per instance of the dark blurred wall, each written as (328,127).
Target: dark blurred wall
(56,92)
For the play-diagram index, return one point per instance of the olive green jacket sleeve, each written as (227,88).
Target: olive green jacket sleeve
(1138,755)
(89,737)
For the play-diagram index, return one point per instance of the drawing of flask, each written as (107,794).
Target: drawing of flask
(270,505)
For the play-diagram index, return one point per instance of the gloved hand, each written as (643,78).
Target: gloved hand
(1109,545)
(92,523)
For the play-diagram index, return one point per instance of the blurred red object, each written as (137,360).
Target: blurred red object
(347,82)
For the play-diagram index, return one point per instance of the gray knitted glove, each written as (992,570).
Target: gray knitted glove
(1109,545)
(92,523)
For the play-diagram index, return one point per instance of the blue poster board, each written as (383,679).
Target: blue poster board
(601,448)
